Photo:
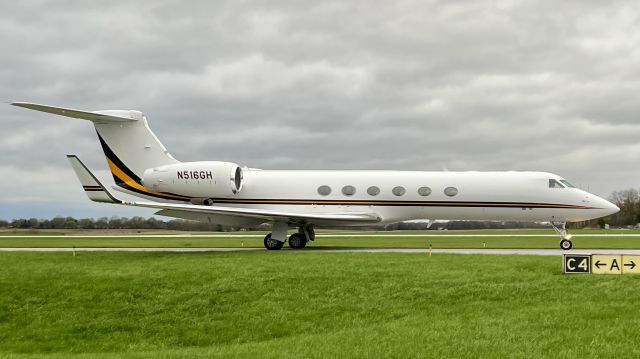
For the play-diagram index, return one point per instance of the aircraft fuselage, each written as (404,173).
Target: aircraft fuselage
(404,195)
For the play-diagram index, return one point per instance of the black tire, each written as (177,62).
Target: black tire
(272,244)
(566,244)
(297,241)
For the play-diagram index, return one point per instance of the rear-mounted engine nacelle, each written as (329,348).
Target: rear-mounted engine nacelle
(203,180)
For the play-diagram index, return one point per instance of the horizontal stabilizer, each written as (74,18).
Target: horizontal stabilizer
(95,116)
(92,187)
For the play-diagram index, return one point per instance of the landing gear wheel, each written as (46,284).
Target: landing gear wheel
(297,241)
(566,244)
(272,244)
(565,237)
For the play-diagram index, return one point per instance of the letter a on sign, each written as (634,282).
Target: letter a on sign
(606,264)
(577,263)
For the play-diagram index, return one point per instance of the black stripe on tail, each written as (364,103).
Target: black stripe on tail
(116,161)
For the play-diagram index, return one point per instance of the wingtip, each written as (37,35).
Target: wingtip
(27,105)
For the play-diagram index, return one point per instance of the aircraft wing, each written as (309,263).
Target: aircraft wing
(97,192)
(267,215)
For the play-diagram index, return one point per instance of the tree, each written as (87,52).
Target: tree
(86,223)
(102,223)
(33,223)
(629,203)
(70,223)
(115,223)
(19,223)
(57,223)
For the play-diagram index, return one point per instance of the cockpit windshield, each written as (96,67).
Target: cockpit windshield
(566,183)
(553,183)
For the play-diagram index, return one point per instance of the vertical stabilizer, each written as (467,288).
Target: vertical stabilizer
(131,148)
(128,143)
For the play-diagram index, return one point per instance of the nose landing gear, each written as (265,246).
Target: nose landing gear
(566,244)
(565,237)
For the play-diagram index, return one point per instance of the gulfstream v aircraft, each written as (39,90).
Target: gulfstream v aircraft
(226,193)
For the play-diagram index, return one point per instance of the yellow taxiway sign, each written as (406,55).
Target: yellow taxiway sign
(630,264)
(606,264)
(601,263)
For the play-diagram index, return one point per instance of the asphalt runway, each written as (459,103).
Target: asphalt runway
(536,252)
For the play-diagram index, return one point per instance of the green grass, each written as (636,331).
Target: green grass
(341,239)
(310,304)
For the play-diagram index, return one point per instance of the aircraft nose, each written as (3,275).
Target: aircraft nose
(608,207)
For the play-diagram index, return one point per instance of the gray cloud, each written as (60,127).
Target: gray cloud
(526,85)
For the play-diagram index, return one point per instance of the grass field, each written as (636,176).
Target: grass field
(310,304)
(583,239)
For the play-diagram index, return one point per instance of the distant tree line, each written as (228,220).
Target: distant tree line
(115,223)
(184,225)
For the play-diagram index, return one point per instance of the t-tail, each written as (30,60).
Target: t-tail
(128,143)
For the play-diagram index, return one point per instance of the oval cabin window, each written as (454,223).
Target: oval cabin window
(424,191)
(348,190)
(451,191)
(398,191)
(373,191)
(324,190)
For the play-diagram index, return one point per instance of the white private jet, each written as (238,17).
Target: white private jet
(225,193)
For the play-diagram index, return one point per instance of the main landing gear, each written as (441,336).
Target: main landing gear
(276,239)
(297,241)
(565,237)
(272,243)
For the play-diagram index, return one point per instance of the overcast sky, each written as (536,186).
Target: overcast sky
(406,85)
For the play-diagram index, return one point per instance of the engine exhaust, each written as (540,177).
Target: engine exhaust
(202,201)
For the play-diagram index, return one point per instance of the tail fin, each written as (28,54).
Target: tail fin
(126,139)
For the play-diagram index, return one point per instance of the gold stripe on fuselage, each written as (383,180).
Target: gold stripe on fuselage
(400,203)
(130,182)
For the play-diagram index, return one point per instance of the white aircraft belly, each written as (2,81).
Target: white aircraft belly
(394,214)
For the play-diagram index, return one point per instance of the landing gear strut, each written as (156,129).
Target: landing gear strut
(565,237)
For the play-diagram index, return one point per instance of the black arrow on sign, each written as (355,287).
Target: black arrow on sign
(631,265)
(598,264)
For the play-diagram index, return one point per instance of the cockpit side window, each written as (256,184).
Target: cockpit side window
(566,183)
(553,183)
